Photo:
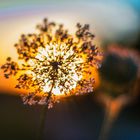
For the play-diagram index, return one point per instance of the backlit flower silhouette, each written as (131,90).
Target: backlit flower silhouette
(52,61)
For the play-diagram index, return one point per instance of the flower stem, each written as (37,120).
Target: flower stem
(106,126)
(42,122)
(112,110)
(43,115)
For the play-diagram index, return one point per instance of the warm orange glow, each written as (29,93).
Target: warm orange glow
(9,85)
(7,49)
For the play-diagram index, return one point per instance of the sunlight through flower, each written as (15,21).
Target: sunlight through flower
(54,62)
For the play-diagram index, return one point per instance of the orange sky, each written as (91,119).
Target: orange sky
(10,32)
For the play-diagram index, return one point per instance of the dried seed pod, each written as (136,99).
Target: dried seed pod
(54,62)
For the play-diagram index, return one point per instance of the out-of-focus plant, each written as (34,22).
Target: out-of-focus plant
(118,75)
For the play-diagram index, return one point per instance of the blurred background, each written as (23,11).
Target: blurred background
(112,112)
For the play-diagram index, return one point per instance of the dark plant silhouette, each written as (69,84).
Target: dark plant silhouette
(52,61)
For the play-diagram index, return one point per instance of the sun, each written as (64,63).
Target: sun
(58,64)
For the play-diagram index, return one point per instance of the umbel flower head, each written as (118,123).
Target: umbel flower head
(52,61)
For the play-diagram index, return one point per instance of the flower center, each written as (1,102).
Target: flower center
(55,65)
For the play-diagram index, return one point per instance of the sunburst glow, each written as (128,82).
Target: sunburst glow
(53,62)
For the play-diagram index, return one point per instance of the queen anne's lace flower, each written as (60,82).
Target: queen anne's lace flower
(54,62)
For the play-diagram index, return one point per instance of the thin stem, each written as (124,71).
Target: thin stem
(111,112)
(106,126)
(43,115)
(42,122)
